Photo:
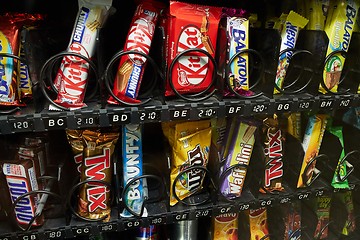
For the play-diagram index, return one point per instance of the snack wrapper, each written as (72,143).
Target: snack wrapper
(316,13)
(191,148)
(311,144)
(94,197)
(294,22)
(258,223)
(274,140)
(323,214)
(75,140)
(339,30)
(294,125)
(239,152)
(133,167)
(292,221)
(225,226)
(191,26)
(24,81)
(72,76)
(350,223)
(341,170)
(131,67)
(10,28)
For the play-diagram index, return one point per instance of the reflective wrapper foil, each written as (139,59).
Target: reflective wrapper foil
(239,152)
(72,76)
(133,167)
(94,197)
(258,223)
(225,226)
(274,140)
(75,140)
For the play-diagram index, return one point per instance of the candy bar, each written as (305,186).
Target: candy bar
(258,223)
(74,137)
(225,226)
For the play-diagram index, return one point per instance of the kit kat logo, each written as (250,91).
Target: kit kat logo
(139,39)
(192,67)
(74,73)
(274,152)
(95,169)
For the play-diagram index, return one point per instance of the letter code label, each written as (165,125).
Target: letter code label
(326,104)
(132,224)
(222,210)
(202,213)
(28,237)
(58,234)
(180,114)
(206,112)
(110,227)
(265,203)
(181,216)
(149,115)
(55,123)
(283,106)
(21,124)
(80,231)
(302,196)
(157,220)
(116,119)
(234,110)
(87,121)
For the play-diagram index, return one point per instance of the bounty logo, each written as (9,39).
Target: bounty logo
(6,66)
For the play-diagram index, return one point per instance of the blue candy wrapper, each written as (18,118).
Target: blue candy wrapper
(133,167)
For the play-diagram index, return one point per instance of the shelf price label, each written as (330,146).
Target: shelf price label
(157,220)
(56,234)
(304,105)
(206,113)
(108,227)
(180,114)
(259,108)
(244,206)
(87,120)
(149,115)
(55,123)
(21,124)
(202,213)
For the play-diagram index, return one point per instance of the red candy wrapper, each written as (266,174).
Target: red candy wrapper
(72,76)
(132,66)
(191,26)
(10,28)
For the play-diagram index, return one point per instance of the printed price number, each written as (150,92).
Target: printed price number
(259,108)
(285,200)
(244,207)
(21,124)
(31,236)
(180,114)
(157,220)
(304,105)
(55,234)
(108,227)
(207,113)
(80,231)
(202,213)
(149,115)
(87,121)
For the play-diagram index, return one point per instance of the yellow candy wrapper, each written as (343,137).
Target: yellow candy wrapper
(316,13)
(190,148)
(311,144)
(294,124)
(339,30)
(290,31)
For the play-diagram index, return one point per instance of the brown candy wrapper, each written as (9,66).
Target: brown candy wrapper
(292,221)
(96,165)
(274,139)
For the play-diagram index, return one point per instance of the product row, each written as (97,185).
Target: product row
(174,170)
(205,51)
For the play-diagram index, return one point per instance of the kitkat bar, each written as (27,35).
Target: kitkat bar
(21,178)
(132,66)
(10,28)
(191,26)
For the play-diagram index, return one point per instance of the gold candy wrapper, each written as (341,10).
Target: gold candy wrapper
(294,125)
(98,150)
(258,223)
(190,148)
(75,140)
(225,227)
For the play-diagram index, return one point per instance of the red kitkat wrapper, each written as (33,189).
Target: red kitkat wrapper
(10,27)
(191,26)
(132,66)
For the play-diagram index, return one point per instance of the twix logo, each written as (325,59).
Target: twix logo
(192,68)
(95,169)
(274,153)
